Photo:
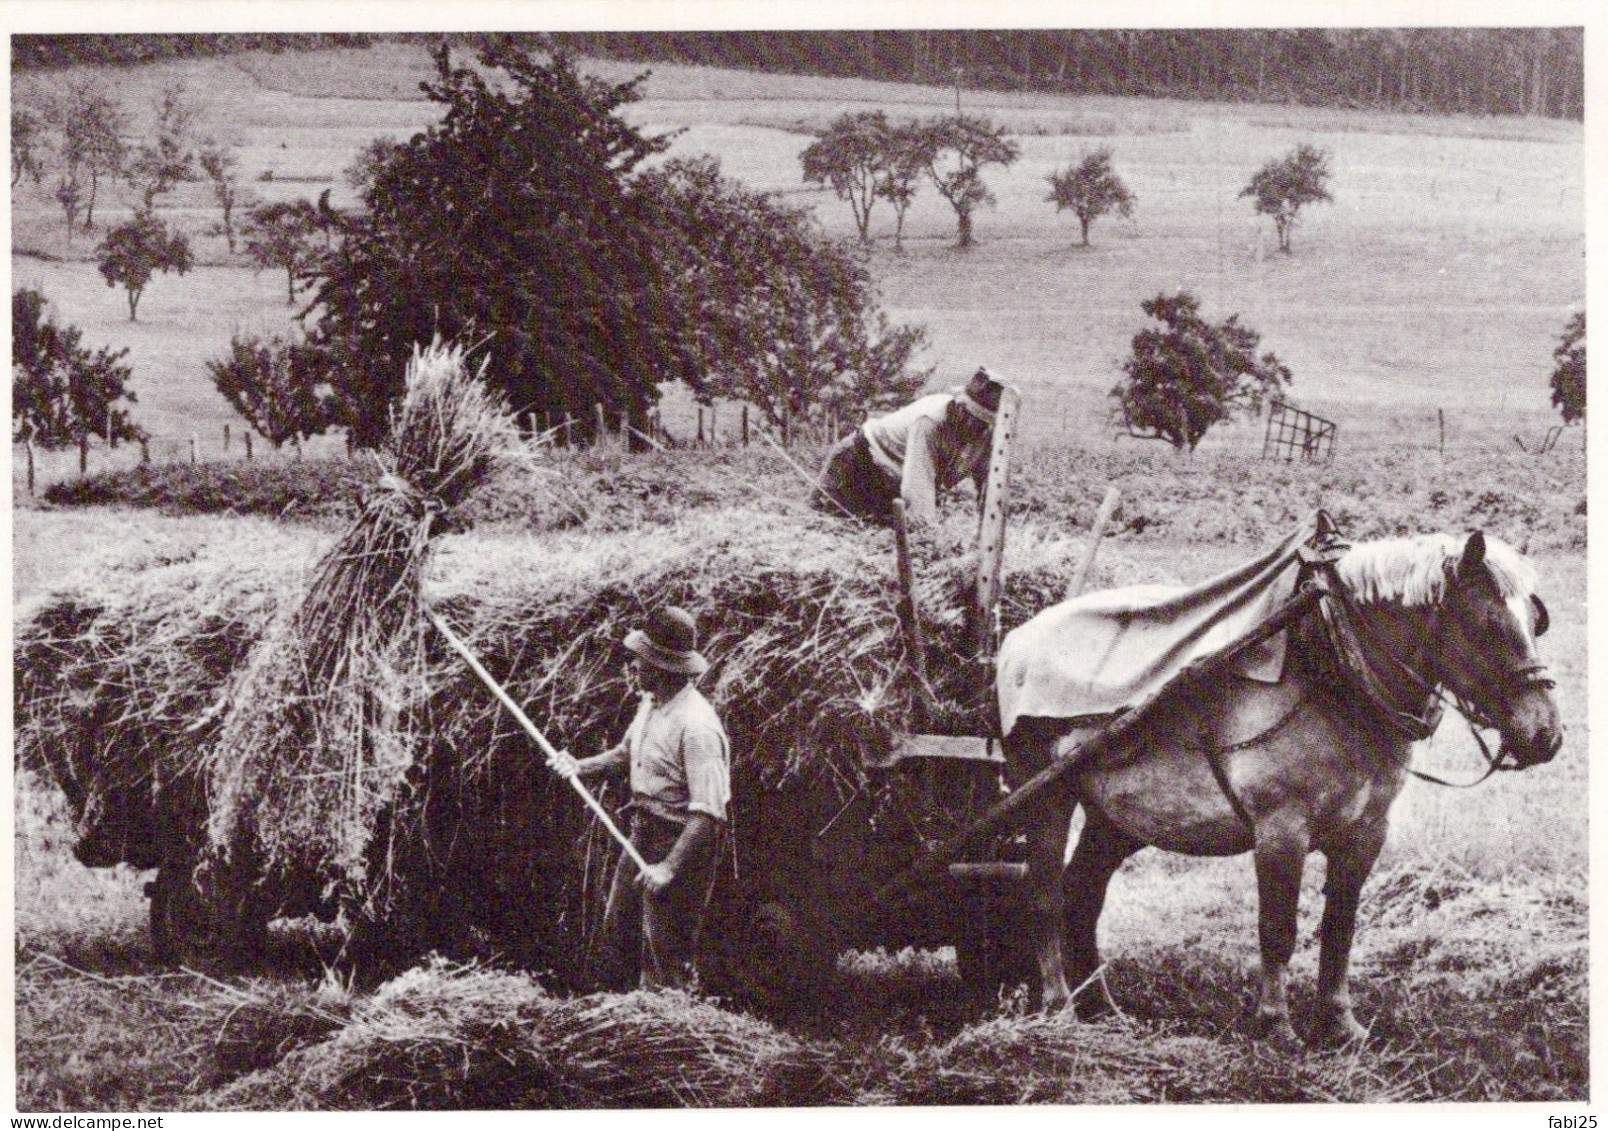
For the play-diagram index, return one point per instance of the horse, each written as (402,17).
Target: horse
(1310,763)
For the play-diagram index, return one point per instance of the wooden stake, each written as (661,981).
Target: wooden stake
(145,450)
(225,439)
(745,426)
(193,459)
(27,444)
(1108,507)
(248,446)
(83,453)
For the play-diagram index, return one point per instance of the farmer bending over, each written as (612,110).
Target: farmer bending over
(912,454)
(680,766)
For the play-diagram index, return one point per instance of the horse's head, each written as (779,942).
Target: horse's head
(1486,654)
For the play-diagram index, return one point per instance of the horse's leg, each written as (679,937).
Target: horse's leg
(1029,749)
(1102,847)
(1281,848)
(1333,1022)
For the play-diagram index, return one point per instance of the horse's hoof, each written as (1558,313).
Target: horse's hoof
(1277,1034)
(1337,1030)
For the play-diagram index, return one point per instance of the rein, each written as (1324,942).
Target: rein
(1345,636)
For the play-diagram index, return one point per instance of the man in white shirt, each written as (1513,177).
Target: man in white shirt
(680,767)
(912,454)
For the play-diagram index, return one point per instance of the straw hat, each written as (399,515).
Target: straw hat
(670,641)
(980,397)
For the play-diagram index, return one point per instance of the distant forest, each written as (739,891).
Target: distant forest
(1539,71)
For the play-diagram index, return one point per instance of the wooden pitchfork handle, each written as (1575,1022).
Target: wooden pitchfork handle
(530,728)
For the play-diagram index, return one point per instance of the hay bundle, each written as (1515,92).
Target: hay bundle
(448,1037)
(318,737)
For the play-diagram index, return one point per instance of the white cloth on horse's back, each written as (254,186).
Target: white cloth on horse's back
(1107,651)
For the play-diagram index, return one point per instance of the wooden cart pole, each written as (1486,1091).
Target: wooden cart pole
(1108,507)
(914,644)
(1010,808)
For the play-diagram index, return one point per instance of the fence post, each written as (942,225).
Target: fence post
(83,453)
(745,426)
(145,449)
(27,444)
(193,460)
(225,439)
(247,435)
(602,425)
(700,426)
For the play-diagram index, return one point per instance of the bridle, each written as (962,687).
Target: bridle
(1346,633)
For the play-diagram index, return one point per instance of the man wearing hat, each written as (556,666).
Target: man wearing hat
(912,454)
(680,766)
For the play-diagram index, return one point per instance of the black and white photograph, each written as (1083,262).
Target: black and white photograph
(696,558)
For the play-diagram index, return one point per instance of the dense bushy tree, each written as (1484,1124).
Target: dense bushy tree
(1091,190)
(1283,186)
(282,234)
(957,149)
(136,250)
(778,315)
(510,220)
(850,156)
(1189,374)
(1569,375)
(61,391)
(277,386)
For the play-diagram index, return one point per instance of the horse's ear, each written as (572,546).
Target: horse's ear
(1473,554)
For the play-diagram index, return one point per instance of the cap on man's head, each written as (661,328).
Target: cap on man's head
(981,395)
(669,641)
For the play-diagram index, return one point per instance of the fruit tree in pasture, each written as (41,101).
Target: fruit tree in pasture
(1090,190)
(902,172)
(850,156)
(280,234)
(1189,374)
(276,385)
(159,164)
(62,392)
(27,146)
(91,125)
(1569,375)
(955,151)
(776,314)
(1282,186)
(134,251)
(222,168)
(511,220)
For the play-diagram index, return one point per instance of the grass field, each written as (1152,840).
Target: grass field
(1430,294)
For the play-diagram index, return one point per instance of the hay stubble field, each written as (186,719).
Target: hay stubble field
(1439,280)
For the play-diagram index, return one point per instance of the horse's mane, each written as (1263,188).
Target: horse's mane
(1414,571)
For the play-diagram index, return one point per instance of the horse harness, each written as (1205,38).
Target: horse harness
(1337,611)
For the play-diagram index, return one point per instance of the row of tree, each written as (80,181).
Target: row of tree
(864,158)
(1533,70)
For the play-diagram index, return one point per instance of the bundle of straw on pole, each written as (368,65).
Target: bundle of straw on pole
(317,741)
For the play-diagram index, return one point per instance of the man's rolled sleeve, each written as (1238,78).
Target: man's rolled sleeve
(707,763)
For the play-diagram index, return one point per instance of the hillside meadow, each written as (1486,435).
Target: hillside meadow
(1418,311)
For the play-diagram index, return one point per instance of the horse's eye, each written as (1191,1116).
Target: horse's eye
(1543,620)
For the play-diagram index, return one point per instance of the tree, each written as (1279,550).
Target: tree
(134,251)
(1091,190)
(280,234)
(222,169)
(92,125)
(278,386)
(779,315)
(901,173)
(62,392)
(957,149)
(850,156)
(1281,187)
(1189,374)
(167,160)
(366,166)
(511,219)
(1569,375)
(27,140)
